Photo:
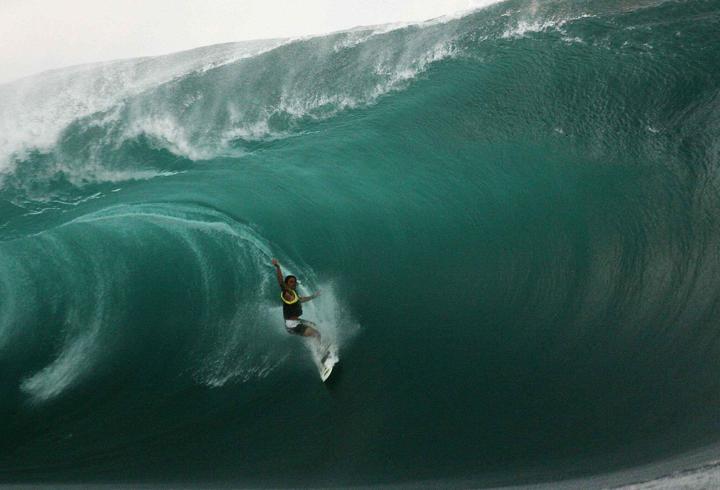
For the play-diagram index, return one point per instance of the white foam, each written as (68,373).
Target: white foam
(218,373)
(240,350)
(93,171)
(523,27)
(393,76)
(35,110)
(334,321)
(253,131)
(167,133)
(86,317)
(74,360)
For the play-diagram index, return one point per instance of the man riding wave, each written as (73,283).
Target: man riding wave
(292,306)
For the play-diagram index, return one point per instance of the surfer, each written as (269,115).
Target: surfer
(292,307)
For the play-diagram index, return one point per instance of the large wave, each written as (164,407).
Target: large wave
(511,214)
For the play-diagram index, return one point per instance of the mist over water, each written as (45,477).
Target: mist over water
(512,216)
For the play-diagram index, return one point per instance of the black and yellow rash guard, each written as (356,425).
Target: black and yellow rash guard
(292,308)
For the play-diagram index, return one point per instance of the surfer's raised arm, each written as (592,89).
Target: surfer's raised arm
(289,283)
(278,273)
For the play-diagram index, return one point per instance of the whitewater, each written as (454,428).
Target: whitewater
(512,214)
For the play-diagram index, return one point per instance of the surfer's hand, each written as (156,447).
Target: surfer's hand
(275,263)
(317,293)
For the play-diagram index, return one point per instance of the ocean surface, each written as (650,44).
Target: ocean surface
(512,214)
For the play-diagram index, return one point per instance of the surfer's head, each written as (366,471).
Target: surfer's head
(291,281)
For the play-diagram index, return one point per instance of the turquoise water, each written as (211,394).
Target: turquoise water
(512,216)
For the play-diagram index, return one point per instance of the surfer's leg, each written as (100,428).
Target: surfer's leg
(310,330)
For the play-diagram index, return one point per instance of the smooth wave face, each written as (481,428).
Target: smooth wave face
(512,216)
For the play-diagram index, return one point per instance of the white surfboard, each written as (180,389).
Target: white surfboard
(326,357)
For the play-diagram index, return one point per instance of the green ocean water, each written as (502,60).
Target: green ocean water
(512,216)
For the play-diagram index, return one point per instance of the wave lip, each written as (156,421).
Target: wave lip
(204,103)
(35,111)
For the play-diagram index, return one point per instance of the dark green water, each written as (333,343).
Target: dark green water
(513,217)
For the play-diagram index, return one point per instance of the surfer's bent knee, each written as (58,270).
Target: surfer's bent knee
(311,332)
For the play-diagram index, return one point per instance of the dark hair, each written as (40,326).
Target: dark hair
(287,278)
